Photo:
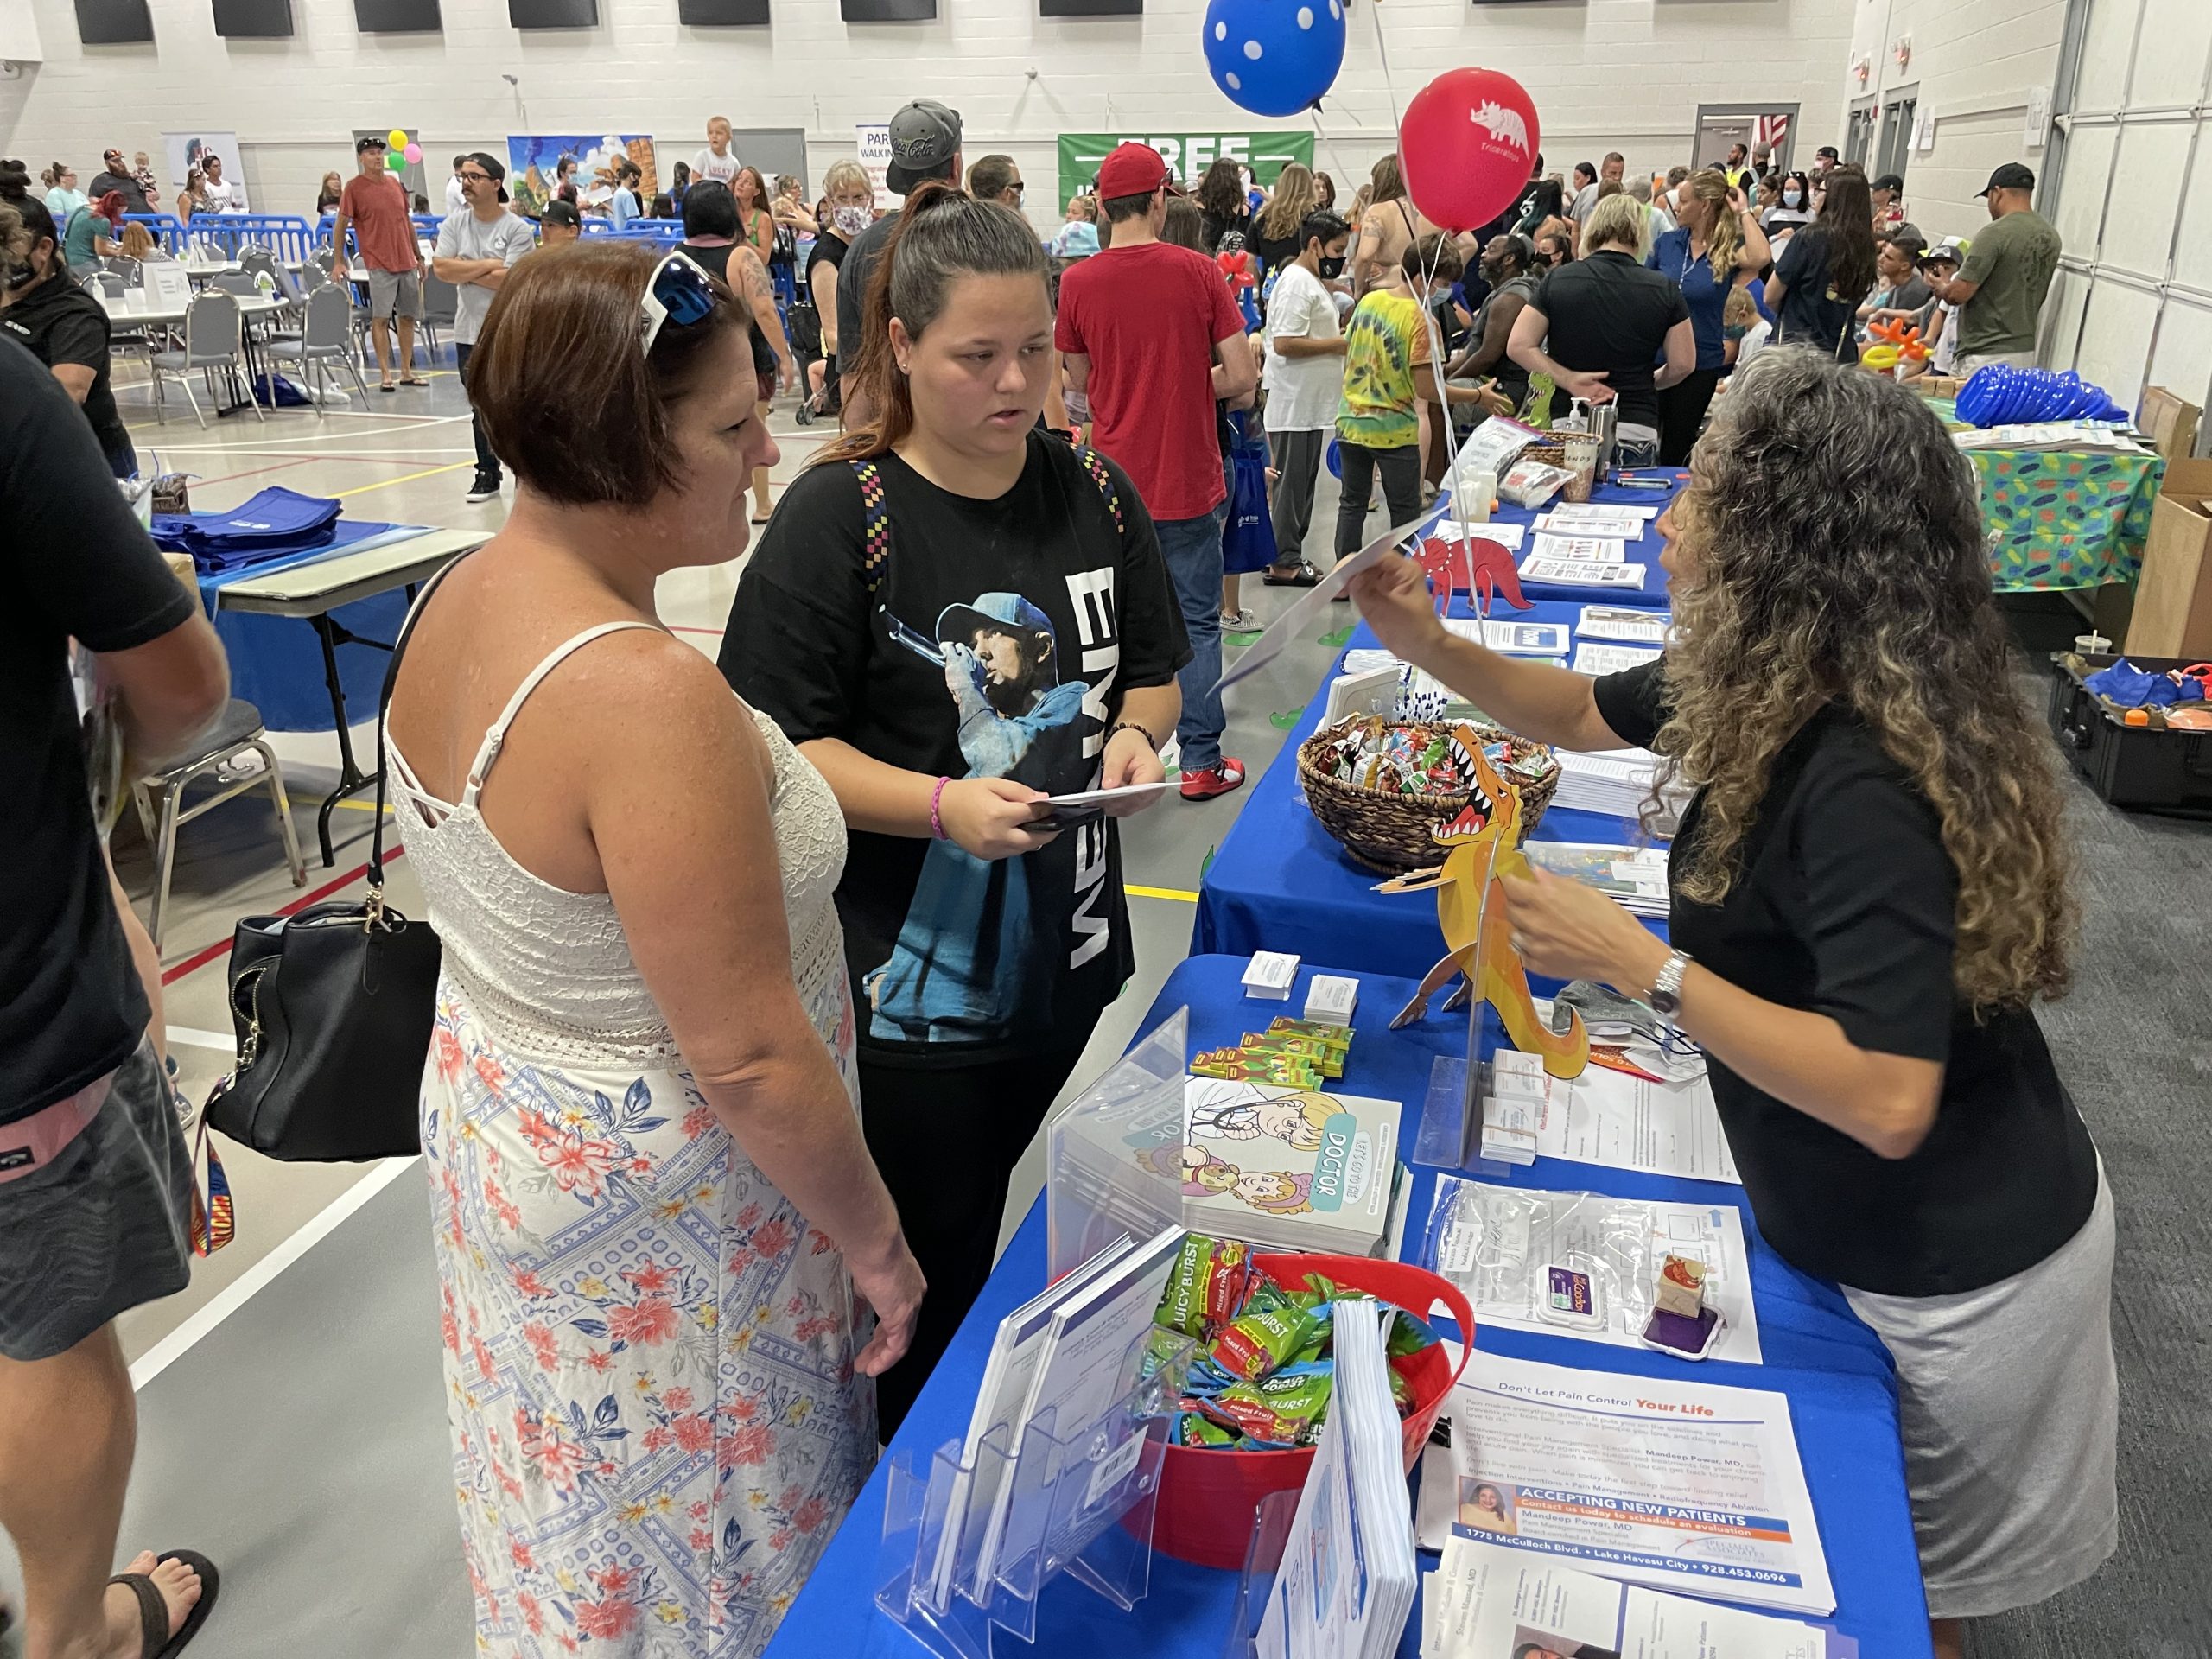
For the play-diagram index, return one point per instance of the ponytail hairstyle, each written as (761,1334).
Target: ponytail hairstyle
(1725,241)
(944,234)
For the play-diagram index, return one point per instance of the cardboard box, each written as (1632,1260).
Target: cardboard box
(2172,422)
(2173,595)
(1936,385)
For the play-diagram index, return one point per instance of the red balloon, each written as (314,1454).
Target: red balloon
(1467,145)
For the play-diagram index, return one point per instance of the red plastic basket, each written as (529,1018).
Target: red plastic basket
(1207,1495)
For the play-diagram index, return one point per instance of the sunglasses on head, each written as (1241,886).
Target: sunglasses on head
(679,291)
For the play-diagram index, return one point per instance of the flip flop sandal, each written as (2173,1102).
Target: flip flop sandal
(412,380)
(387,389)
(154,1612)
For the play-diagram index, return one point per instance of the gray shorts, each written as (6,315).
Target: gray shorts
(102,1228)
(1965,366)
(394,292)
(2009,1407)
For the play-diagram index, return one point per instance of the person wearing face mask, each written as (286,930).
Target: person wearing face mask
(850,209)
(955,615)
(1304,372)
(1793,207)
(67,329)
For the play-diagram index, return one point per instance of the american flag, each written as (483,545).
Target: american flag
(1769,130)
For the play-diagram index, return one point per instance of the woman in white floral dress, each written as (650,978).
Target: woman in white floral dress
(652,1203)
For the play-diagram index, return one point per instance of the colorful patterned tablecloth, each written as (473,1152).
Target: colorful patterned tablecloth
(2065,519)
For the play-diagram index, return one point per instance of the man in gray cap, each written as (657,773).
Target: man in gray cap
(476,249)
(925,145)
(1999,290)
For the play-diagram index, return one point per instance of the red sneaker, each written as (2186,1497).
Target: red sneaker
(1214,780)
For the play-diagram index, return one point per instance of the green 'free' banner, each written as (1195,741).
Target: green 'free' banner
(1187,154)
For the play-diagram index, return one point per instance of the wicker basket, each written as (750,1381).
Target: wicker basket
(1391,832)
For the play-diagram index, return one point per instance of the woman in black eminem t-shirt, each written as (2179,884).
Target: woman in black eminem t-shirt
(956,616)
(1869,894)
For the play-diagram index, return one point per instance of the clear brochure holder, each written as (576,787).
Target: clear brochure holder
(973,1546)
(1110,1154)
(1271,1523)
(1450,1133)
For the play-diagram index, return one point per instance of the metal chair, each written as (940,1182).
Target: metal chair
(324,337)
(213,339)
(441,305)
(239,282)
(104,284)
(314,274)
(160,798)
(254,258)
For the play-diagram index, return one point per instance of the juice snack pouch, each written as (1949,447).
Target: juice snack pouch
(1323,1059)
(1239,1065)
(1205,1286)
(1276,1411)
(1256,1343)
(1340,1035)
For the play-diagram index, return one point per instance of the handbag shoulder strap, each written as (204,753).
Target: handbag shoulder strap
(383,703)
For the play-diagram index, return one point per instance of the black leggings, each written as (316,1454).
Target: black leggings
(1681,412)
(946,1140)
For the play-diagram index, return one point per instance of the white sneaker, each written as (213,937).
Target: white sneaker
(484,489)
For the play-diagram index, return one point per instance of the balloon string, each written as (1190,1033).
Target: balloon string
(1383,51)
(1452,446)
(1329,144)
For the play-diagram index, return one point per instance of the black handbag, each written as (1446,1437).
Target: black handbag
(332,1009)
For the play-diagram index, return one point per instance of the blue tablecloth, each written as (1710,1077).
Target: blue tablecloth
(1838,1379)
(1281,882)
(276,661)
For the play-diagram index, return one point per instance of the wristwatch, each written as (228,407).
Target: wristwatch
(1667,989)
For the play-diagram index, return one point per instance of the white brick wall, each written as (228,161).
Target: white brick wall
(1624,74)
(1974,62)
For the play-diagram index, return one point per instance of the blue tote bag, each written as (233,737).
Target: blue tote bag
(1247,542)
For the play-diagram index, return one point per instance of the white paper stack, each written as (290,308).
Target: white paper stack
(1511,638)
(1601,550)
(1583,519)
(1581,573)
(1614,781)
(1630,623)
(1487,1601)
(1593,658)
(1345,1588)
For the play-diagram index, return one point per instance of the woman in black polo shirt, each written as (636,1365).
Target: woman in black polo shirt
(1597,324)
(1869,894)
(67,330)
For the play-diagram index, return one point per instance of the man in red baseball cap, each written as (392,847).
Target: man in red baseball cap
(1149,331)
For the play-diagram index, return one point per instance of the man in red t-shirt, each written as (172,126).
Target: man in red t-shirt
(1147,330)
(375,205)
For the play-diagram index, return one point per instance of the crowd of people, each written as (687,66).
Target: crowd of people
(804,912)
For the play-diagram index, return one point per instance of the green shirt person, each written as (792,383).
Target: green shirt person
(1999,290)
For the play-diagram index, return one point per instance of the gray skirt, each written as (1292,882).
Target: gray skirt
(2009,1407)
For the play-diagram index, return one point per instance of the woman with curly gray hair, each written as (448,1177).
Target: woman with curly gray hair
(1868,896)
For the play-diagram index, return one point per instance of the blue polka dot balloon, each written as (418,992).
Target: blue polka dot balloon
(1275,57)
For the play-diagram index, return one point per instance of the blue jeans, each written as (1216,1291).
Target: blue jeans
(1191,548)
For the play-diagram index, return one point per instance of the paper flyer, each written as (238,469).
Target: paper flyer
(1579,544)
(1630,623)
(1582,573)
(1690,1487)
(1593,659)
(1609,1117)
(1310,606)
(1486,1601)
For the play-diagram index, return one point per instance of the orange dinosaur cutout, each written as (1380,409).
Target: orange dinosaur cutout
(1484,840)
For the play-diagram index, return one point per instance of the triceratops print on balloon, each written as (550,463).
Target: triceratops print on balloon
(1502,124)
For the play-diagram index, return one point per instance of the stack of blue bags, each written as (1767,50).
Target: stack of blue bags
(277,523)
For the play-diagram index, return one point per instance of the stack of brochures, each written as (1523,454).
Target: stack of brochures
(1060,1360)
(1286,1169)
(1487,1601)
(1612,781)
(1345,1588)
(1636,876)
